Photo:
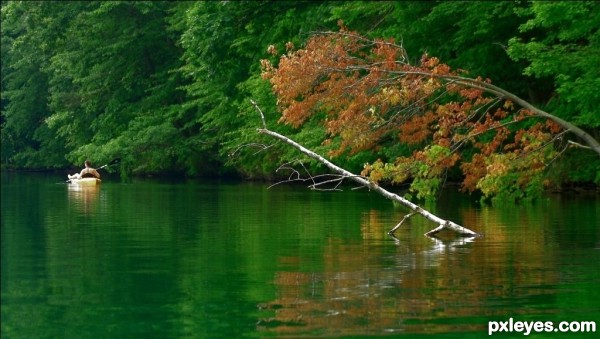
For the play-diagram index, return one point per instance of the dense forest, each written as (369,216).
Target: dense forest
(166,86)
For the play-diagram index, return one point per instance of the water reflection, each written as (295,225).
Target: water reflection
(83,197)
(425,285)
(174,261)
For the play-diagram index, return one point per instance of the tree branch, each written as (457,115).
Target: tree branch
(474,83)
(499,92)
(443,224)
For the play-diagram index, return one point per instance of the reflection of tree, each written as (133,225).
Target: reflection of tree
(429,286)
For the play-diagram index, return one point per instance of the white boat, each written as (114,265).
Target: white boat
(86,181)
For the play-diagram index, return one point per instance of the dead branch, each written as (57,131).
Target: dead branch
(296,176)
(443,224)
(317,181)
(261,147)
(576,144)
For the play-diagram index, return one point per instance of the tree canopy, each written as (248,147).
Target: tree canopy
(370,98)
(166,87)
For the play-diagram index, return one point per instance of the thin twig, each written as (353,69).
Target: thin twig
(261,147)
(576,144)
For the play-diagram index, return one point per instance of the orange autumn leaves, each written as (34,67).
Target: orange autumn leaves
(367,96)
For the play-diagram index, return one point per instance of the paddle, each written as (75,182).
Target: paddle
(113,162)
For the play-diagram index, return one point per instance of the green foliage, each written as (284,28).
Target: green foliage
(166,86)
(577,167)
(29,31)
(561,40)
(469,35)
(512,178)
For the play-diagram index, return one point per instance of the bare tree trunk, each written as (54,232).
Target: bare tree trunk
(443,224)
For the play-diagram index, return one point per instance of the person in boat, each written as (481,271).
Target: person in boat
(87,172)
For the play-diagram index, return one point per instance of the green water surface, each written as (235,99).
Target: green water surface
(157,259)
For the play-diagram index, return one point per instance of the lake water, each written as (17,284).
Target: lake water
(155,259)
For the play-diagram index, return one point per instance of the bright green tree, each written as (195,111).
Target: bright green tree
(114,91)
(560,41)
(30,33)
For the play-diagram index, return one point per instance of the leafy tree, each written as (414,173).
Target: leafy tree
(30,32)
(368,96)
(213,67)
(222,42)
(468,35)
(560,41)
(114,92)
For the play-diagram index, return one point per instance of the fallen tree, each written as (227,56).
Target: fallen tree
(344,174)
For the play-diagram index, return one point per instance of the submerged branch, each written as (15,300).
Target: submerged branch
(393,230)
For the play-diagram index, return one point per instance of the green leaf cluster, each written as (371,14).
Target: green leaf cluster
(560,41)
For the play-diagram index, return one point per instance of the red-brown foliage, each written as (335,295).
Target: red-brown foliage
(367,91)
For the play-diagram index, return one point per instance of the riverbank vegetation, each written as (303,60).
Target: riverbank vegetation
(166,86)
